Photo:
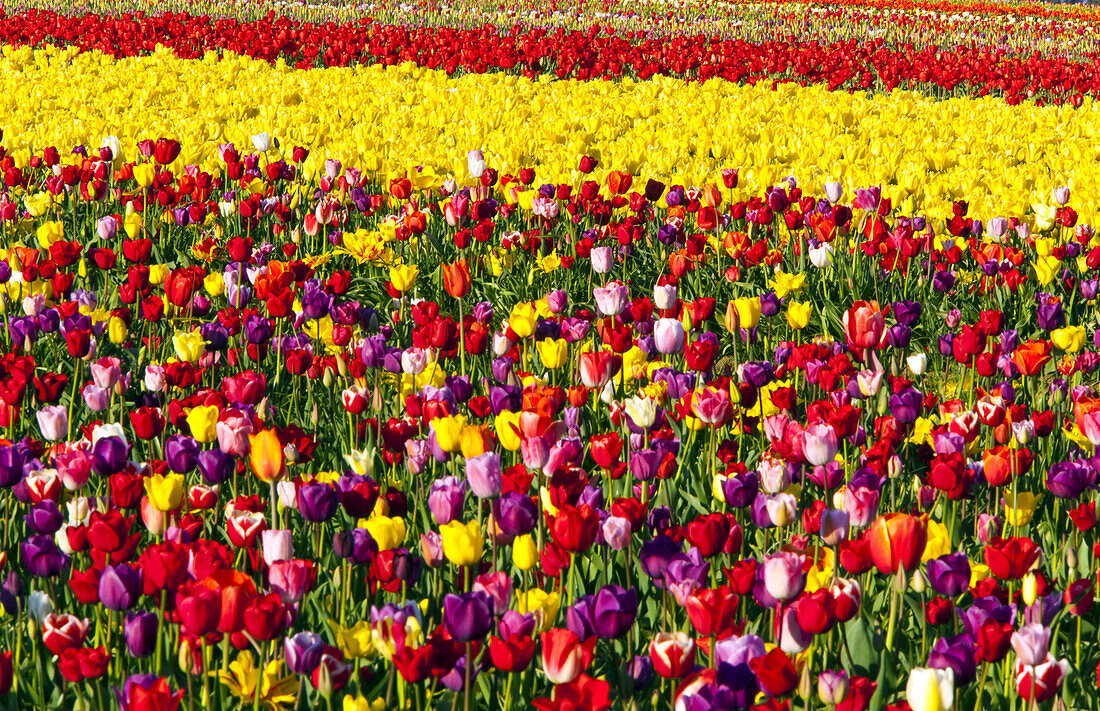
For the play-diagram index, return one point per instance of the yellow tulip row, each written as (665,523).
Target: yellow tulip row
(924,153)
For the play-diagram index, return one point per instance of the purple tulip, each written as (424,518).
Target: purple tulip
(580,618)
(181,453)
(949,575)
(468,616)
(45,518)
(317,501)
(140,631)
(515,514)
(955,653)
(215,466)
(655,556)
(906,405)
(614,609)
(1070,479)
(109,455)
(355,545)
(516,624)
(1050,315)
(303,652)
(741,490)
(41,556)
(119,586)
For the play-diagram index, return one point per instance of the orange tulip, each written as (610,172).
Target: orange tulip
(897,540)
(619,182)
(266,455)
(1032,356)
(456,278)
(864,324)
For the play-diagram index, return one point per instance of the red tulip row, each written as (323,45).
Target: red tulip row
(597,53)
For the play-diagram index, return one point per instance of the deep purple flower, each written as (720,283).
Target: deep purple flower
(215,466)
(955,653)
(740,490)
(317,501)
(515,514)
(580,618)
(1070,479)
(614,610)
(109,455)
(355,545)
(907,313)
(41,556)
(949,575)
(181,453)
(119,586)
(655,556)
(906,405)
(468,616)
(140,631)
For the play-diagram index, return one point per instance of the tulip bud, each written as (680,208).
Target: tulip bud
(327,377)
(901,581)
(917,581)
(805,683)
(1071,558)
(1030,589)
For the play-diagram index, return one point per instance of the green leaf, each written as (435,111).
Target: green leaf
(861,646)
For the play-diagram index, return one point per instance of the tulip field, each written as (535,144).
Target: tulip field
(645,356)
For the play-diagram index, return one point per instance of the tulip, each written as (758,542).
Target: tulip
(602,260)
(484,475)
(140,632)
(672,653)
(266,455)
(165,492)
(277,545)
(564,656)
(456,279)
(53,422)
(930,689)
(119,587)
(897,541)
(468,616)
(463,544)
(668,336)
(553,353)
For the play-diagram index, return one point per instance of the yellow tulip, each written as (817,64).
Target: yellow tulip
(525,554)
(158,273)
(48,233)
(522,319)
(543,605)
(266,455)
(1070,339)
(1019,509)
(388,532)
(133,225)
(1046,268)
(553,352)
(144,174)
(117,330)
(448,432)
(784,283)
(189,346)
(798,314)
(463,544)
(355,641)
(748,311)
(165,492)
(506,428)
(202,420)
(214,284)
(403,276)
(474,440)
(939,542)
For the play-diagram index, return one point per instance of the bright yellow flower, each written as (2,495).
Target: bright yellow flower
(1019,509)
(785,283)
(506,427)
(553,352)
(202,420)
(144,174)
(1070,339)
(1046,268)
(748,311)
(189,345)
(243,677)
(542,604)
(117,330)
(522,319)
(939,542)
(214,284)
(356,641)
(48,233)
(403,276)
(798,314)
(448,432)
(387,532)
(525,553)
(165,492)
(463,544)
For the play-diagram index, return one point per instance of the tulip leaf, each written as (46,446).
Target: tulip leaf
(861,646)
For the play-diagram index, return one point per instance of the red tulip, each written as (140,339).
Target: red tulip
(897,540)
(1011,558)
